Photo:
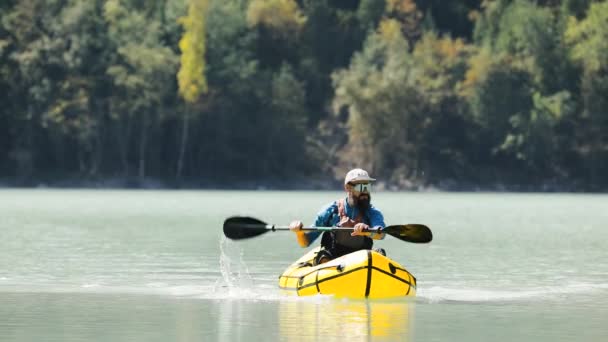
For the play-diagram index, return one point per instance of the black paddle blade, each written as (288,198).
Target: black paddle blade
(237,227)
(416,233)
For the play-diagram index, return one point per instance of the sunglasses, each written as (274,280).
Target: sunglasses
(361,187)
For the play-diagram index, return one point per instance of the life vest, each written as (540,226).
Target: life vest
(346,221)
(344,238)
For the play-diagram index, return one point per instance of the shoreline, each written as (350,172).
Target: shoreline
(294,185)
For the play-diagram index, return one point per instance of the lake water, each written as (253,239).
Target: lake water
(86,265)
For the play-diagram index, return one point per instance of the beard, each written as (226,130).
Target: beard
(363,201)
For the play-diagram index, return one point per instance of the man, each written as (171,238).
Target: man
(353,211)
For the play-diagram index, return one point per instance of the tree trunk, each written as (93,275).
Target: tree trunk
(183,143)
(142,147)
(97,149)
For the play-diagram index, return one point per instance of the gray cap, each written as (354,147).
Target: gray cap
(357,175)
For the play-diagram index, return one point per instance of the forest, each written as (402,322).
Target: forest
(472,95)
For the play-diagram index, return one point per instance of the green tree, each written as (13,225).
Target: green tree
(48,90)
(254,110)
(399,102)
(91,89)
(282,16)
(588,39)
(142,72)
(77,111)
(328,40)
(519,86)
(287,134)
(529,33)
(228,123)
(501,92)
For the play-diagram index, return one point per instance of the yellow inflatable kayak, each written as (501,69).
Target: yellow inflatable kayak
(362,274)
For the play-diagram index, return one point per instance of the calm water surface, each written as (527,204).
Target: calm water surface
(84,265)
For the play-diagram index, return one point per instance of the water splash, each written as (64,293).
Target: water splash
(225,263)
(237,281)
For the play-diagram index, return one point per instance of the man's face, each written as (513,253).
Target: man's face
(361,194)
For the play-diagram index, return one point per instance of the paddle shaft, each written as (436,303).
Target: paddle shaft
(238,227)
(272,227)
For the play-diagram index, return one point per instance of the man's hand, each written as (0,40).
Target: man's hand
(296,226)
(359,229)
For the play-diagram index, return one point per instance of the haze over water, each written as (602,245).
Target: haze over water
(86,265)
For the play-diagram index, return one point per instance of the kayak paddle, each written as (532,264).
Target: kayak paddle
(239,227)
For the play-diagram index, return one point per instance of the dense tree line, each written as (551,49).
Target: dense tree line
(503,94)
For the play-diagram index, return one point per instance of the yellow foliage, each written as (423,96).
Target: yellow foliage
(400,6)
(588,38)
(112,10)
(450,48)
(474,15)
(191,75)
(389,29)
(441,52)
(479,64)
(444,48)
(280,15)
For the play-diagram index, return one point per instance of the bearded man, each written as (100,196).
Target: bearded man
(353,211)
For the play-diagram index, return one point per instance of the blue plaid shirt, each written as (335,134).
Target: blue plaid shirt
(330,217)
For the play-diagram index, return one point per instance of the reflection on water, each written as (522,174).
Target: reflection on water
(66,317)
(360,320)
